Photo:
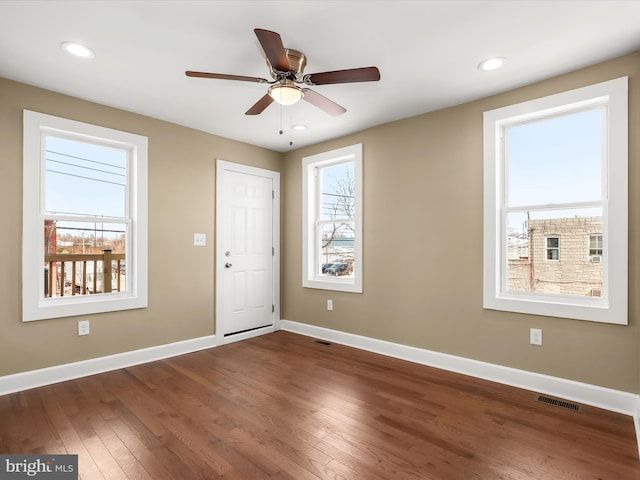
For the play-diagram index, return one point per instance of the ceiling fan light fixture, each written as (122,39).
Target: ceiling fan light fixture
(286,93)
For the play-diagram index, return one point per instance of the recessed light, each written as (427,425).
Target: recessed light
(491,64)
(77,50)
(300,128)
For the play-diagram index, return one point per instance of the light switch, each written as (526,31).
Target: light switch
(83,328)
(199,239)
(535,336)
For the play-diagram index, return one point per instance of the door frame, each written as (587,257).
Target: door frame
(221,167)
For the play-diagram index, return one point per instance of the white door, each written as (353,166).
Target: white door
(246,286)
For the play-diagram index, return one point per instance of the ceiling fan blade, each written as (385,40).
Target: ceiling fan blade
(366,74)
(224,76)
(273,49)
(323,103)
(260,105)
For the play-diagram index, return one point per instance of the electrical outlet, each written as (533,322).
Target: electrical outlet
(329,305)
(83,328)
(535,336)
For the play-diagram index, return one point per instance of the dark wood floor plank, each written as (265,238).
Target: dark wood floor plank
(282,406)
(117,450)
(146,455)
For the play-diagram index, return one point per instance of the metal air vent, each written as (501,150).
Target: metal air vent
(559,403)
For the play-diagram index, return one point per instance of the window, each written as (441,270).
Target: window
(553,248)
(556,168)
(595,246)
(84,218)
(332,210)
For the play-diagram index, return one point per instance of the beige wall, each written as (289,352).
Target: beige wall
(181,202)
(423,185)
(423,194)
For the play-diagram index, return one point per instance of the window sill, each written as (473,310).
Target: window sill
(591,309)
(74,306)
(334,284)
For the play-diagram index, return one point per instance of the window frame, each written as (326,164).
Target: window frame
(599,245)
(548,248)
(310,193)
(612,307)
(34,304)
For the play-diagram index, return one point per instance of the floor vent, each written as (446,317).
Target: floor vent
(559,403)
(323,342)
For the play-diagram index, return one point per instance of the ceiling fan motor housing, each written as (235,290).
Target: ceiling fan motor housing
(297,61)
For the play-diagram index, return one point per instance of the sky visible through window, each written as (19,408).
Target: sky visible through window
(337,214)
(84,179)
(338,191)
(554,161)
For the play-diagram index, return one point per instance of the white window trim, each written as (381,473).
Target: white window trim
(547,248)
(589,236)
(309,278)
(613,306)
(34,305)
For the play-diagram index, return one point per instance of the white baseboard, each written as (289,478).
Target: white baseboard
(594,395)
(613,400)
(636,423)
(609,399)
(60,373)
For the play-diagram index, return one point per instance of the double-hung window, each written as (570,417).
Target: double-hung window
(553,247)
(84,218)
(595,246)
(332,223)
(555,175)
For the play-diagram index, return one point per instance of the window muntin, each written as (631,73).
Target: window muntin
(570,189)
(84,218)
(332,236)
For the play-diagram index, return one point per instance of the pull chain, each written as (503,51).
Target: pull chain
(291,129)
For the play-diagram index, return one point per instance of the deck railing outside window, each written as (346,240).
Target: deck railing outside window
(90,273)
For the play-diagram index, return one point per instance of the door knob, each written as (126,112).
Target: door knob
(228,265)
(227,253)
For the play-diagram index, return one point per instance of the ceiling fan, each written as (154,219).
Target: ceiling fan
(287,70)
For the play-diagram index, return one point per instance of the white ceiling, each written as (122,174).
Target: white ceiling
(427,53)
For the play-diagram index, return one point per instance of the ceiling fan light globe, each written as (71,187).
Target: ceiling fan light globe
(286,94)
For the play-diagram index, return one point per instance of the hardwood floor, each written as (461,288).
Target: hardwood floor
(282,406)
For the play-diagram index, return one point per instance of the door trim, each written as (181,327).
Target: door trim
(221,166)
